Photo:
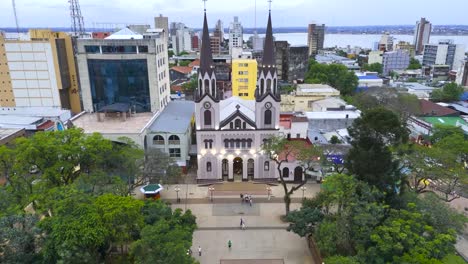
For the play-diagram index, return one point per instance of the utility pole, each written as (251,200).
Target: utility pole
(16,17)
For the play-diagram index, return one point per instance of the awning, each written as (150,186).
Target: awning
(151,188)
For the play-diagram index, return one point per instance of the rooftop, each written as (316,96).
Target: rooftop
(416,86)
(429,108)
(445,120)
(125,33)
(112,125)
(8,132)
(182,69)
(333,115)
(315,88)
(175,118)
(229,106)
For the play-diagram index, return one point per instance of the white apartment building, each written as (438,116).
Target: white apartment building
(182,41)
(235,34)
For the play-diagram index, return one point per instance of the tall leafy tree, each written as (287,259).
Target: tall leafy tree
(450,92)
(281,151)
(335,75)
(374,67)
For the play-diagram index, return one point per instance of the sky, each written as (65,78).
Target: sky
(55,13)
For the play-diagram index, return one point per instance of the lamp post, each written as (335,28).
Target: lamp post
(177,189)
(303,188)
(269,192)
(211,189)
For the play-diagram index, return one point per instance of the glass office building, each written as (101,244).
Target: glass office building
(120,81)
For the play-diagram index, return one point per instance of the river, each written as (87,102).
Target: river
(364,41)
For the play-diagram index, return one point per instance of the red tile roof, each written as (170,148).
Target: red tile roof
(194,63)
(429,108)
(182,69)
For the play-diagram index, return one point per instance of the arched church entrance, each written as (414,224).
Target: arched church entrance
(285,172)
(225,169)
(238,166)
(298,174)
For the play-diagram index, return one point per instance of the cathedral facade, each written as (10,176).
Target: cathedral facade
(230,132)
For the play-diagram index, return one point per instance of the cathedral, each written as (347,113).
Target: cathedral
(230,132)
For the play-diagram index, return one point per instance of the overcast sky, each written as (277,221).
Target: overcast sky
(55,13)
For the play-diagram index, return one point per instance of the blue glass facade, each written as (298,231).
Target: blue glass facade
(120,81)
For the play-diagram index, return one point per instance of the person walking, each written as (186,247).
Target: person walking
(250,200)
(242,197)
(199,251)
(229,244)
(241,222)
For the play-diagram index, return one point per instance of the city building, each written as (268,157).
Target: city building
(162,22)
(282,59)
(444,53)
(8,135)
(315,38)
(244,78)
(462,75)
(403,45)
(215,44)
(171,132)
(395,60)
(375,56)
(195,43)
(257,42)
(386,43)
(127,69)
(332,120)
(33,119)
(235,34)
(219,30)
(420,90)
(293,126)
(182,40)
(368,79)
(39,71)
(328,104)
(422,34)
(330,58)
(230,132)
(298,62)
(305,95)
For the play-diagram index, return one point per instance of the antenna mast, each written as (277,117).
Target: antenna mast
(77,23)
(16,17)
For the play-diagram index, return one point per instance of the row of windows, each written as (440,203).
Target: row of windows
(243,65)
(243,72)
(243,80)
(173,140)
(161,62)
(115,49)
(237,143)
(243,94)
(161,75)
(266,166)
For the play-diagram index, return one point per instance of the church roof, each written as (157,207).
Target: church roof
(232,104)
(206,57)
(125,33)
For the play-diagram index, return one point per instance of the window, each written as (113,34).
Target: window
(174,152)
(238,143)
(118,49)
(274,85)
(213,87)
(237,123)
(158,140)
(298,135)
(208,143)
(231,125)
(174,140)
(268,117)
(207,86)
(262,86)
(244,125)
(208,166)
(249,143)
(226,143)
(92,49)
(207,117)
(269,85)
(266,166)
(231,143)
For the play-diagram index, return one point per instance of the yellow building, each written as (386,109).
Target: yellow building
(39,72)
(244,78)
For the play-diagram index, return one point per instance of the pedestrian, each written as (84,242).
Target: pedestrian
(250,200)
(242,197)
(199,251)
(229,244)
(241,222)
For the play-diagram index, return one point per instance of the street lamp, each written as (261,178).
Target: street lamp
(303,188)
(177,189)
(211,189)
(269,192)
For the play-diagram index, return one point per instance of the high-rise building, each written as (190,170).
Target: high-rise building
(403,45)
(219,30)
(235,34)
(422,34)
(386,42)
(282,59)
(162,22)
(195,42)
(444,53)
(244,78)
(215,45)
(124,72)
(182,40)
(39,71)
(257,42)
(298,62)
(395,60)
(315,38)
(462,75)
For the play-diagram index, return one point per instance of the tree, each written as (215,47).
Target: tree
(374,67)
(159,167)
(20,239)
(414,64)
(281,150)
(412,80)
(171,231)
(370,158)
(190,86)
(170,53)
(184,63)
(335,75)
(182,53)
(335,140)
(449,93)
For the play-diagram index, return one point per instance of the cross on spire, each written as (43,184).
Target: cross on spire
(204,4)
(269,4)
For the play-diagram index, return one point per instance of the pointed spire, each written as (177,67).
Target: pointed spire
(206,57)
(268,62)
